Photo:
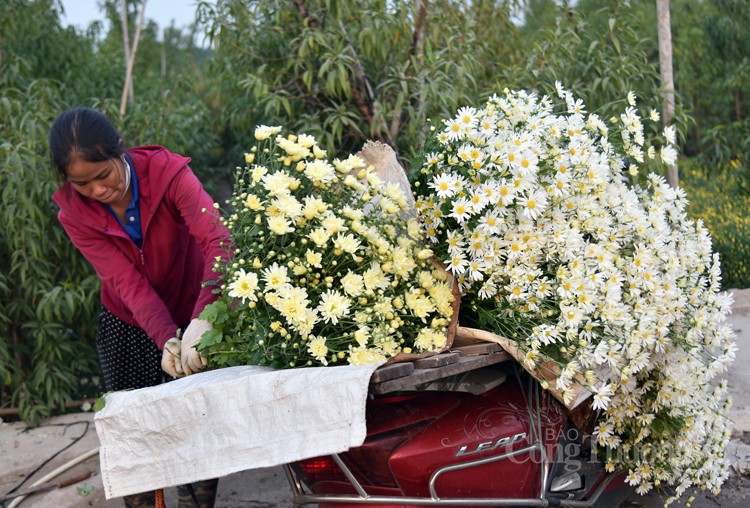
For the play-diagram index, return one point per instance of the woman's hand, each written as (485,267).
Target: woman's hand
(170,358)
(190,357)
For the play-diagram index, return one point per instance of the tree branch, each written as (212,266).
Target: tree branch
(131,61)
(311,22)
(416,51)
(369,106)
(126,44)
(417,40)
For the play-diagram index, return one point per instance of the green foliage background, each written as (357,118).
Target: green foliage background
(344,71)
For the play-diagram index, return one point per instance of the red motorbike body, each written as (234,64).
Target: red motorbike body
(503,447)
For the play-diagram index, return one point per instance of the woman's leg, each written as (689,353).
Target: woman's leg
(130,360)
(142,500)
(205,494)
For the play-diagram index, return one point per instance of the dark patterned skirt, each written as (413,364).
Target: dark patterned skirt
(128,357)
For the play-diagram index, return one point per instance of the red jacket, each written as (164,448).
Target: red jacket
(158,287)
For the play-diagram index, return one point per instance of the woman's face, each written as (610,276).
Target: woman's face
(103,181)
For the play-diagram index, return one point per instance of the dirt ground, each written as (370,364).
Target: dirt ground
(22,450)
(28,454)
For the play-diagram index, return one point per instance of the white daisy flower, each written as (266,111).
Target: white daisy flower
(461,210)
(244,286)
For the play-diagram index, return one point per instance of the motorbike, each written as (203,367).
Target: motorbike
(487,436)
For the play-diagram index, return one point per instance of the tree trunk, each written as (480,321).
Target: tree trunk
(667,79)
(126,43)
(368,105)
(416,51)
(131,61)
(419,48)
(737,106)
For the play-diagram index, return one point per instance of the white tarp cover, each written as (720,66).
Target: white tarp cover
(214,423)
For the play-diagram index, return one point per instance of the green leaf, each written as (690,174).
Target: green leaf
(85,490)
(211,337)
(215,313)
(616,42)
(99,403)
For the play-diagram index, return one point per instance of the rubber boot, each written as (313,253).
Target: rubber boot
(205,492)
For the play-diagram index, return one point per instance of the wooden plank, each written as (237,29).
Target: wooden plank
(392,371)
(475,381)
(479,349)
(422,376)
(432,362)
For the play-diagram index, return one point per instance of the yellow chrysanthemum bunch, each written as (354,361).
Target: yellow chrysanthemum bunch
(327,267)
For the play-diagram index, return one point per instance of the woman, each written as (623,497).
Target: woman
(143,220)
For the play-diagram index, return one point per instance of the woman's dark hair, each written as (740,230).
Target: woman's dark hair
(85,134)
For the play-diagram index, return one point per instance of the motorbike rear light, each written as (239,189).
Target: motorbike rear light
(369,463)
(319,469)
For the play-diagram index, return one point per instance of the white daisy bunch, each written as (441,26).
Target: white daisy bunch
(325,269)
(526,203)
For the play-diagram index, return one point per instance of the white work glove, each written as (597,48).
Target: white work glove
(170,358)
(191,358)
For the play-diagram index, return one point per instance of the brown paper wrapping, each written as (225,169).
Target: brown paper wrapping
(385,163)
(543,370)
